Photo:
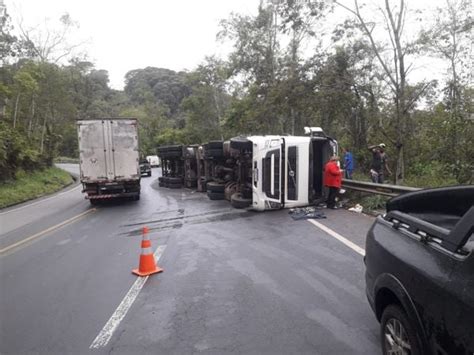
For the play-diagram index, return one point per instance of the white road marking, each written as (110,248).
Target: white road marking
(50,229)
(339,237)
(40,201)
(109,328)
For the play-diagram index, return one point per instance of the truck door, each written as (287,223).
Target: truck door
(123,136)
(272,167)
(92,152)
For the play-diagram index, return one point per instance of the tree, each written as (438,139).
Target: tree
(8,41)
(298,20)
(50,44)
(162,86)
(208,102)
(450,38)
(395,69)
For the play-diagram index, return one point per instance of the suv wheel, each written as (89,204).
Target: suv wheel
(397,333)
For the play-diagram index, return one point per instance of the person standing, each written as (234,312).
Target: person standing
(332,180)
(379,163)
(348,164)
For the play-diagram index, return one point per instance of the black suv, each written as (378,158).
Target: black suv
(145,168)
(420,272)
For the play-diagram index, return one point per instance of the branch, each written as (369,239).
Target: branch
(416,97)
(372,42)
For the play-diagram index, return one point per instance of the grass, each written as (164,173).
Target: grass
(28,186)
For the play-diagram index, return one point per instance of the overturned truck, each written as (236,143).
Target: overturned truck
(262,172)
(283,171)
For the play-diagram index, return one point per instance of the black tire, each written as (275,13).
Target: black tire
(136,197)
(395,314)
(215,187)
(94,202)
(241,143)
(238,201)
(149,173)
(215,195)
(161,179)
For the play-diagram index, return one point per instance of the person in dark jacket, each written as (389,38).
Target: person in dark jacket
(379,163)
(332,180)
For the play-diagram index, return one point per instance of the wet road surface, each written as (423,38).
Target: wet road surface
(235,282)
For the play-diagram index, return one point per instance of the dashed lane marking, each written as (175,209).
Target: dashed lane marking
(109,328)
(339,237)
(50,229)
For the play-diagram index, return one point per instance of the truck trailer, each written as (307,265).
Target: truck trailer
(109,158)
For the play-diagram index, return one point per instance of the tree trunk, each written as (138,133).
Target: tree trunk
(16,109)
(43,132)
(32,115)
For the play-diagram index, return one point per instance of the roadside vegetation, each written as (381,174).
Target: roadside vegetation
(283,73)
(29,185)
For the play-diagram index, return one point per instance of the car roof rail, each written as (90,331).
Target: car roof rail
(415,224)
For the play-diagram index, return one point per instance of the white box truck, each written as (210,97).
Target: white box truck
(109,158)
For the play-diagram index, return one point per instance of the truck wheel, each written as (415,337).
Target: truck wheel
(215,187)
(397,333)
(238,201)
(94,202)
(215,195)
(149,173)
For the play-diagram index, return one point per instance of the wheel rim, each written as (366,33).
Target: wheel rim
(396,338)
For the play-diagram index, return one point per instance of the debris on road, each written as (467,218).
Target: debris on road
(306,213)
(357,208)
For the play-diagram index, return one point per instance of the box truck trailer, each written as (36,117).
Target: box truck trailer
(109,158)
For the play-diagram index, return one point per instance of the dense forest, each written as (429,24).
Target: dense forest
(289,67)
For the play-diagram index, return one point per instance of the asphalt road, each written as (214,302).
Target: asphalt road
(235,282)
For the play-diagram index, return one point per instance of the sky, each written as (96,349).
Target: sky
(120,36)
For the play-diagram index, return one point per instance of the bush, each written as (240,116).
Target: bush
(432,174)
(29,185)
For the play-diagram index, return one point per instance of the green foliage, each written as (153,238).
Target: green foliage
(373,202)
(28,185)
(430,174)
(171,136)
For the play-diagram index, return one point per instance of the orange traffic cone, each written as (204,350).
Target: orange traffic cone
(147,259)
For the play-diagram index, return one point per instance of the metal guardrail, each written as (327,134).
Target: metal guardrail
(378,189)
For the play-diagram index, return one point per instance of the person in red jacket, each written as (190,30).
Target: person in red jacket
(332,180)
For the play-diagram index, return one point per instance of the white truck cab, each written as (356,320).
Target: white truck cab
(287,171)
